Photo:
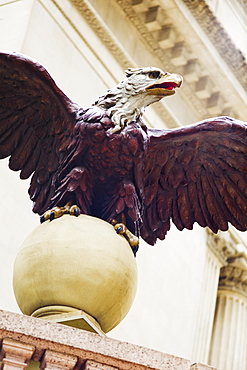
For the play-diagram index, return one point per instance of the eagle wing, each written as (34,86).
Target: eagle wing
(195,174)
(37,124)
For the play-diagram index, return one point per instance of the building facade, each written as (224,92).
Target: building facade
(192,297)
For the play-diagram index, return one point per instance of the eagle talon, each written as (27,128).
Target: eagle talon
(42,219)
(57,212)
(120,229)
(133,240)
(135,249)
(74,210)
(52,216)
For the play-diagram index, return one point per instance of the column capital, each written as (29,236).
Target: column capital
(233,278)
(222,245)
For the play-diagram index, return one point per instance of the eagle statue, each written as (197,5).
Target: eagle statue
(103,161)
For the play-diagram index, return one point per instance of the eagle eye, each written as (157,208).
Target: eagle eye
(154,74)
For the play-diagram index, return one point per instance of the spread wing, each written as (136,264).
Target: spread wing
(196,174)
(37,124)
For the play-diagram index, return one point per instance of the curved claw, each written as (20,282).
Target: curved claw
(135,249)
(42,219)
(75,211)
(119,230)
(57,212)
(52,216)
(132,239)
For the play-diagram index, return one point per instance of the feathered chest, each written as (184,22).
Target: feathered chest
(111,153)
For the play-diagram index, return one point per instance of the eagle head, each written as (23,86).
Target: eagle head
(153,81)
(126,102)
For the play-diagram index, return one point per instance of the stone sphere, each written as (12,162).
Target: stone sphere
(78,262)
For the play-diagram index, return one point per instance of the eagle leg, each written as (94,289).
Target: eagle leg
(57,212)
(132,239)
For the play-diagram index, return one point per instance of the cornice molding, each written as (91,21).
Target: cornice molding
(165,39)
(88,13)
(243,3)
(220,39)
(145,33)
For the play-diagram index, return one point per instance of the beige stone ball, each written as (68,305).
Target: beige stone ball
(78,262)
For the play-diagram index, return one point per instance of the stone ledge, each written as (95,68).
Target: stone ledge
(47,336)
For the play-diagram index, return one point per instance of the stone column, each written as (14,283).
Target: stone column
(219,249)
(15,355)
(206,308)
(229,339)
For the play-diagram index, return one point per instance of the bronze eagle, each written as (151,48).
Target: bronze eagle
(103,161)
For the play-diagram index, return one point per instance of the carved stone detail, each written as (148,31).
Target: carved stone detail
(144,21)
(233,278)
(15,355)
(93,365)
(222,245)
(87,13)
(218,36)
(229,249)
(243,5)
(86,346)
(53,360)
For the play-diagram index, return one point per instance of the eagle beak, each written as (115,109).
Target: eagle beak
(166,85)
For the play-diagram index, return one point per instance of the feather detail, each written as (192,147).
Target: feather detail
(184,207)
(12,141)
(30,164)
(203,176)
(34,117)
(193,192)
(176,214)
(165,204)
(205,202)
(23,151)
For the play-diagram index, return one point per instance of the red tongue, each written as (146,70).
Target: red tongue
(168,85)
(165,85)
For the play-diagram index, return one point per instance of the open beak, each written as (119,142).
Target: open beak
(166,85)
